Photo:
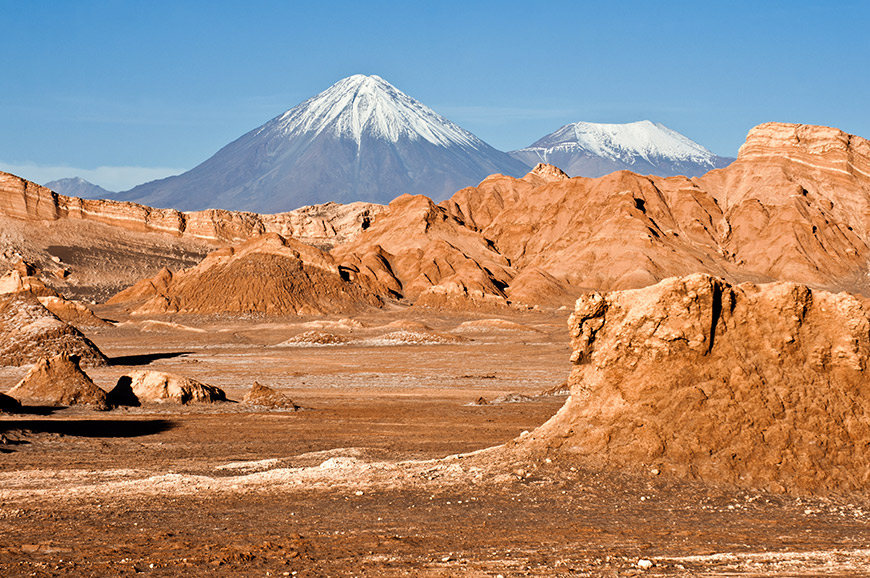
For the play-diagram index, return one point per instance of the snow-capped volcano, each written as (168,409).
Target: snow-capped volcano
(369,105)
(361,139)
(592,149)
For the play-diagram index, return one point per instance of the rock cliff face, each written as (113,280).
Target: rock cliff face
(92,248)
(759,386)
(794,206)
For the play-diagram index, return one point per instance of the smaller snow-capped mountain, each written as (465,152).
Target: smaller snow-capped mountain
(591,149)
(78,187)
(361,139)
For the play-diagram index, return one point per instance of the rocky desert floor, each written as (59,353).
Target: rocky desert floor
(387,470)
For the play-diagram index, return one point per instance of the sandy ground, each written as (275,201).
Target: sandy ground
(385,472)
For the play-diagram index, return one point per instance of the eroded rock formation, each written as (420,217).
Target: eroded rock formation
(29,331)
(269,275)
(58,381)
(145,386)
(761,386)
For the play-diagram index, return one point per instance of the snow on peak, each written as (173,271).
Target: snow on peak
(370,105)
(644,139)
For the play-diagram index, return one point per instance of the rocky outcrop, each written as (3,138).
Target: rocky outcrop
(761,386)
(143,386)
(418,251)
(29,331)
(793,206)
(269,275)
(320,224)
(59,381)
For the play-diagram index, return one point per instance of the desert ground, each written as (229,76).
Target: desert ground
(386,468)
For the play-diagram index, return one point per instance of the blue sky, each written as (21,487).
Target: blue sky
(124,92)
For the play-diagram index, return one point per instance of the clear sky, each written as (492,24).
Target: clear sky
(124,92)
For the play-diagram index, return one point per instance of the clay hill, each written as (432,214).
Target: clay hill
(793,206)
(759,386)
(270,275)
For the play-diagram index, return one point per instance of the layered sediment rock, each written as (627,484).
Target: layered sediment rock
(324,224)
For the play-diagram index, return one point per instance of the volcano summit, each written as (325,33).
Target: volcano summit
(362,139)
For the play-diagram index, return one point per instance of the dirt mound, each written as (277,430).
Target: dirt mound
(29,331)
(483,325)
(156,387)
(260,395)
(413,338)
(757,386)
(58,381)
(269,275)
(313,338)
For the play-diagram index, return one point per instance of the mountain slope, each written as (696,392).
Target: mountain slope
(78,187)
(360,140)
(589,149)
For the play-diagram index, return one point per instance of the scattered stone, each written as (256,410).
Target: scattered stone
(645,564)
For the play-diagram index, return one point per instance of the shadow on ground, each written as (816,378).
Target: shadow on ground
(89,428)
(145,358)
